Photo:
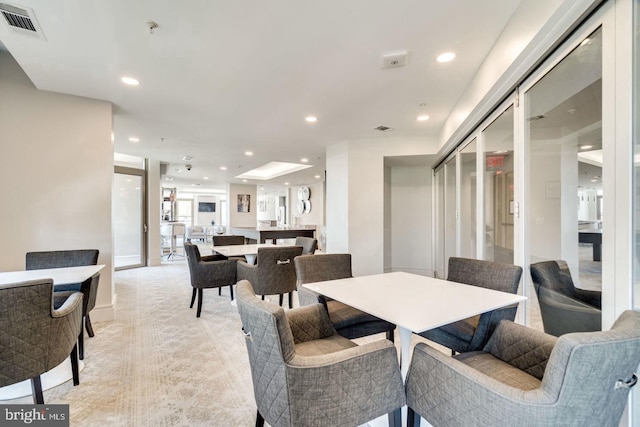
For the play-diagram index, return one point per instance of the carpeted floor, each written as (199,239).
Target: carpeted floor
(157,364)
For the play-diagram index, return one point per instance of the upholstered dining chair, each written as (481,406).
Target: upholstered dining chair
(212,271)
(524,377)
(227,240)
(274,272)
(309,244)
(348,321)
(305,374)
(563,307)
(89,288)
(35,337)
(473,333)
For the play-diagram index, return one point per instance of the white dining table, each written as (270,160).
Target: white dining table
(60,276)
(412,302)
(250,252)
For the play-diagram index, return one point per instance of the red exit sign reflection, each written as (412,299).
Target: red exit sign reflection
(495,162)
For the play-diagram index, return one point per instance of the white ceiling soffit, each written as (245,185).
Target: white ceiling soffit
(272,170)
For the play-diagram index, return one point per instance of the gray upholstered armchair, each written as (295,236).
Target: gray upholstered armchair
(526,377)
(305,374)
(212,271)
(274,272)
(473,333)
(35,337)
(348,321)
(89,288)
(309,244)
(564,308)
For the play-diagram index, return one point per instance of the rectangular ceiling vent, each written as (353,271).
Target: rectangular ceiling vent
(21,20)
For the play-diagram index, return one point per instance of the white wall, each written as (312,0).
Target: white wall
(154,203)
(411,213)
(57,173)
(242,219)
(355,196)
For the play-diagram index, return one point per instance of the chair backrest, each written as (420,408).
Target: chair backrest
(584,369)
(32,340)
(309,244)
(193,258)
(228,240)
(323,267)
(269,344)
(485,274)
(59,259)
(276,270)
(552,276)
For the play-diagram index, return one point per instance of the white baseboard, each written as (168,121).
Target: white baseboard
(104,313)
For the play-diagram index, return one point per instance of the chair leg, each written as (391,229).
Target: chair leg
(219,291)
(290,299)
(391,335)
(281,299)
(395,418)
(74,364)
(199,302)
(230,290)
(88,326)
(259,420)
(193,297)
(413,419)
(36,390)
(262,297)
(81,341)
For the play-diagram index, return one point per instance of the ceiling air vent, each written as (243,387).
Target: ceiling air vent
(382,128)
(21,20)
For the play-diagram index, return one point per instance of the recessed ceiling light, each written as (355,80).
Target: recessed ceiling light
(311,119)
(134,139)
(248,153)
(304,160)
(446,57)
(422,118)
(286,183)
(585,41)
(205,177)
(317,177)
(130,81)
(586,147)
(223,168)
(594,180)
(244,180)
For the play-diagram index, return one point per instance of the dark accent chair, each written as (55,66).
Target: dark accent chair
(564,308)
(348,321)
(228,241)
(89,288)
(274,272)
(206,272)
(524,377)
(35,337)
(305,374)
(309,244)
(473,333)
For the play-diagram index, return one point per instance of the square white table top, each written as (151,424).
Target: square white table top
(239,250)
(417,303)
(60,276)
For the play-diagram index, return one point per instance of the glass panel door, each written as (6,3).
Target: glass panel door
(450,211)
(563,133)
(468,185)
(498,189)
(128,218)
(438,249)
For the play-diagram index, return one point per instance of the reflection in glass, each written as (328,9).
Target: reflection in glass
(498,188)
(450,209)
(439,224)
(127,220)
(563,113)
